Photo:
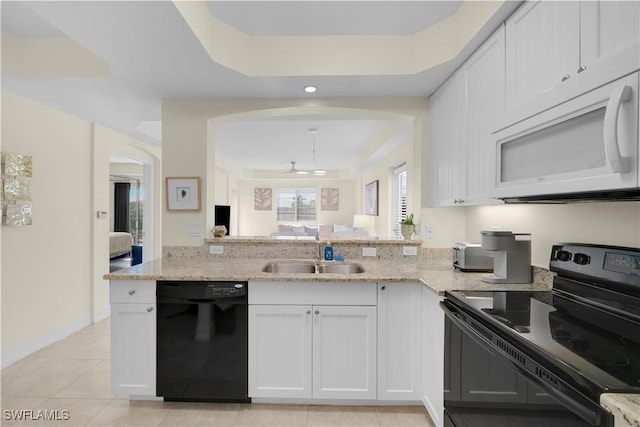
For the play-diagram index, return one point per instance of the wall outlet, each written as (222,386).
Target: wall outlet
(216,249)
(368,251)
(428,232)
(409,250)
(194,230)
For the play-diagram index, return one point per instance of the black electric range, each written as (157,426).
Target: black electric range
(569,344)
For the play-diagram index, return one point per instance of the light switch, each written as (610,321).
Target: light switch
(195,230)
(368,251)
(216,249)
(409,250)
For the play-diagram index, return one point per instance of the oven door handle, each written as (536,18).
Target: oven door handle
(589,411)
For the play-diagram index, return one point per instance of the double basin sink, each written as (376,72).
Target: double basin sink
(310,267)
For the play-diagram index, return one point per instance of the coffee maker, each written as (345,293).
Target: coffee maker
(511,256)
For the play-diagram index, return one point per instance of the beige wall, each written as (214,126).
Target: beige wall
(601,223)
(189,144)
(52,271)
(262,223)
(46,268)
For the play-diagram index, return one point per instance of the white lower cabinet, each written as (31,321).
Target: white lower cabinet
(133,337)
(344,352)
(320,343)
(326,352)
(399,341)
(433,375)
(280,339)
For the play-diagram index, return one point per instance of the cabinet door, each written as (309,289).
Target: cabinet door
(610,38)
(486,379)
(485,100)
(344,352)
(433,376)
(399,341)
(542,47)
(446,140)
(133,349)
(279,351)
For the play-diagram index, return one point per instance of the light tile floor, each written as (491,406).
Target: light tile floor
(73,375)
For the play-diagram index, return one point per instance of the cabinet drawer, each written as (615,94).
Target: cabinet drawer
(313,293)
(132,291)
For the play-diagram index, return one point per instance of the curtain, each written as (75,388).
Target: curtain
(121,206)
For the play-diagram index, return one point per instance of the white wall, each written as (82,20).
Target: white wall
(600,223)
(262,223)
(52,271)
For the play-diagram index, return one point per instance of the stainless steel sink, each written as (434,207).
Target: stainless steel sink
(289,267)
(311,268)
(340,268)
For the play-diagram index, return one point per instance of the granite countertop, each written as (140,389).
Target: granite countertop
(439,278)
(623,406)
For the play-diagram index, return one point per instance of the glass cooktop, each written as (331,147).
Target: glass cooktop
(581,340)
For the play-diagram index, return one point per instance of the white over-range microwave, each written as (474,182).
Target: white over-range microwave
(585,144)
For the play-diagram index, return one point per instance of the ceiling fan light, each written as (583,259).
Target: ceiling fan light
(299,172)
(310,89)
(320,172)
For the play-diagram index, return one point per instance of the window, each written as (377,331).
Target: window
(399,195)
(296,204)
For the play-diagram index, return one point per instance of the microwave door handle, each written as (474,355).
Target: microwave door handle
(618,163)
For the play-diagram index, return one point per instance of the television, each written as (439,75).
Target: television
(222,216)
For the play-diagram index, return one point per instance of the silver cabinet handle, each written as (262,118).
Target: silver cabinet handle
(149,309)
(131,292)
(582,68)
(316,312)
(618,163)
(307,312)
(566,77)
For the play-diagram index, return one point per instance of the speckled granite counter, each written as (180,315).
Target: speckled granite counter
(435,276)
(625,407)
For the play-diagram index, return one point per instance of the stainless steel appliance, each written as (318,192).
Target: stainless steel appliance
(471,257)
(511,256)
(515,358)
(202,341)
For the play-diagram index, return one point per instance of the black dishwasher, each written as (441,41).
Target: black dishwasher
(202,340)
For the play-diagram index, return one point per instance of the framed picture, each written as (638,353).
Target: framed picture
(262,199)
(371,198)
(329,199)
(183,194)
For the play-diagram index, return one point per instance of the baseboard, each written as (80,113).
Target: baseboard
(435,416)
(100,315)
(20,352)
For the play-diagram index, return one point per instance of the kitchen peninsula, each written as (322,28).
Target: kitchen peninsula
(391,309)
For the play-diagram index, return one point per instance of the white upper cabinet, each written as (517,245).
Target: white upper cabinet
(557,50)
(543,47)
(446,143)
(460,117)
(485,100)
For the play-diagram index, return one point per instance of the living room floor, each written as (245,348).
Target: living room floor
(73,375)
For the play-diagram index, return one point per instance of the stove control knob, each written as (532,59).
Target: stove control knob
(563,256)
(581,259)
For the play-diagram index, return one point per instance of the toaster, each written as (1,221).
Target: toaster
(471,257)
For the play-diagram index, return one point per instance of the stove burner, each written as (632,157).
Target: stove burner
(631,342)
(592,352)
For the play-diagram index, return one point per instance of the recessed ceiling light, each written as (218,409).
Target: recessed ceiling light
(310,89)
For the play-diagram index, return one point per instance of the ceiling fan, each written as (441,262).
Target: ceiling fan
(313,167)
(293,169)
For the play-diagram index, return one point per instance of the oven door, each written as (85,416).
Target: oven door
(488,382)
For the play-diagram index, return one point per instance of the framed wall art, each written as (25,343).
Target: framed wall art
(330,199)
(262,199)
(183,194)
(371,198)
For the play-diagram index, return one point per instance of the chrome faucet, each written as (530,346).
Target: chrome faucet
(319,251)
